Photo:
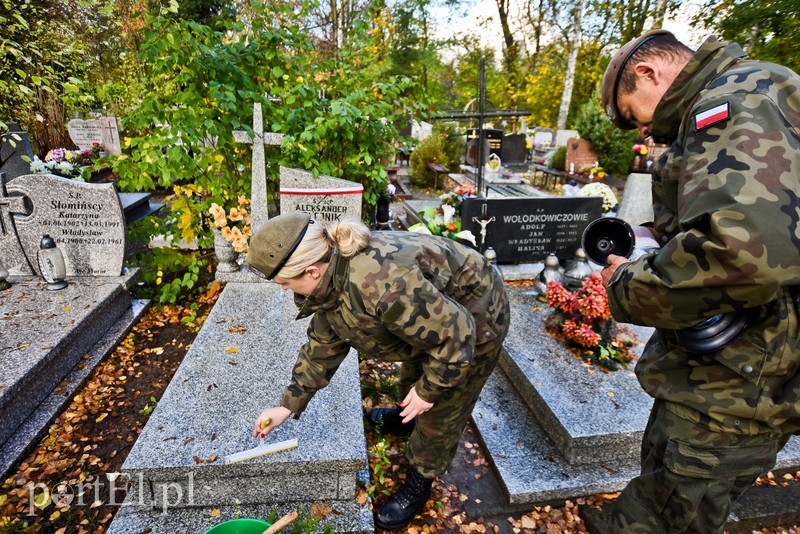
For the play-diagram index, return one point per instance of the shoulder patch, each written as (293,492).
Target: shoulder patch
(712,116)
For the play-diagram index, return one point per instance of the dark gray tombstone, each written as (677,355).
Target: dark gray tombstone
(514,149)
(528,229)
(15,145)
(493,135)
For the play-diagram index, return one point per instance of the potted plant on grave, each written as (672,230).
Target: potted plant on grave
(231,233)
(583,320)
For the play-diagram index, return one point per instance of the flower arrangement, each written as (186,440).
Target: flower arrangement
(235,224)
(73,164)
(584,319)
(597,189)
(446,220)
(640,149)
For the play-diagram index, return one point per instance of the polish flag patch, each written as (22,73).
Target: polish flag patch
(712,116)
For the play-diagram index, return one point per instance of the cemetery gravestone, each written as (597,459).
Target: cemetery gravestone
(85,133)
(14,147)
(495,137)
(528,229)
(109,132)
(323,197)
(580,154)
(636,207)
(514,149)
(543,137)
(85,220)
(563,137)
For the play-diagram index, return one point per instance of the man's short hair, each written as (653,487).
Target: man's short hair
(663,46)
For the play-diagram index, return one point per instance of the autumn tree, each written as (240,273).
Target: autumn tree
(768,29)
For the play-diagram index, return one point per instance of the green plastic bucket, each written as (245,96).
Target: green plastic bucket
(240,526)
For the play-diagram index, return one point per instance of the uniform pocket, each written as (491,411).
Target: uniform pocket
(688,460)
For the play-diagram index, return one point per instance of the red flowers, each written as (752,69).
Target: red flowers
(583,318)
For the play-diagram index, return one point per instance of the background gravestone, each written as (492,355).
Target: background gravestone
(528,229)
(494,136)
(580,154)
(85,220)
(109,132)
(85,133)
(543,136)
(12,151)
(514,149)
(323,197)
(563,137)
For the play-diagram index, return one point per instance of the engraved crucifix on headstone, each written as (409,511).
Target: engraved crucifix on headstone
(11,251)
(484,222)
(259,207)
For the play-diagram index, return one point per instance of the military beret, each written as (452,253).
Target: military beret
(613,74)
(275,242)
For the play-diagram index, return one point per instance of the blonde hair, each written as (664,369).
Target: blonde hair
(348,237)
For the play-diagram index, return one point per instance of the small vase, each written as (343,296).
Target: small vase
(225,253)
(382,210)
(637,163)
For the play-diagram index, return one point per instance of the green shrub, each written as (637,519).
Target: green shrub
(429,150)
(614,147)
(453,144)
(558,160)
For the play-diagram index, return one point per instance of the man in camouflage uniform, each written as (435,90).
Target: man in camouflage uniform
(727,217)
(438,307)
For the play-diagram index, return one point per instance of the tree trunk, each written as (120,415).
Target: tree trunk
(574,47)
(660,14)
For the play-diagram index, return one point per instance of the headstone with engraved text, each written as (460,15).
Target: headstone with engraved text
(85,220)
(528,229)
(325,198)
(85,133)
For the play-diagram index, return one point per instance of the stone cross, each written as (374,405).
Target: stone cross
(259,208)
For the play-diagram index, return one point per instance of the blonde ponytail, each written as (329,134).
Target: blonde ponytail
(349,237)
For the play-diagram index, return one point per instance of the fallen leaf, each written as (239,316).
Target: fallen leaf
(215,512)
(232,350)
(320,510)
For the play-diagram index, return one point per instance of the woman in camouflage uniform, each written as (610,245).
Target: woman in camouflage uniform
(438,307)
(727,216)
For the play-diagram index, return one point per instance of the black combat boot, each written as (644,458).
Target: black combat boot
(388,421)
(407,501)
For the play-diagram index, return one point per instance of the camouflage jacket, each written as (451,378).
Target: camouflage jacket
(405,297)
(727,214)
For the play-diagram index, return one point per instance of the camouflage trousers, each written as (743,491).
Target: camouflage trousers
(690,476)
(434,440)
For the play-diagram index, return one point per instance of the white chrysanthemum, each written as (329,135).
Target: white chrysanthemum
(38,166)
(597,189)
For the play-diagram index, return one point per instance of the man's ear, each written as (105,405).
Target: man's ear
(648,71)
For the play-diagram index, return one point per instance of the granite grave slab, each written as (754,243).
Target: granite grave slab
(208,410)
(556,428)
(636,206)
(43,336)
